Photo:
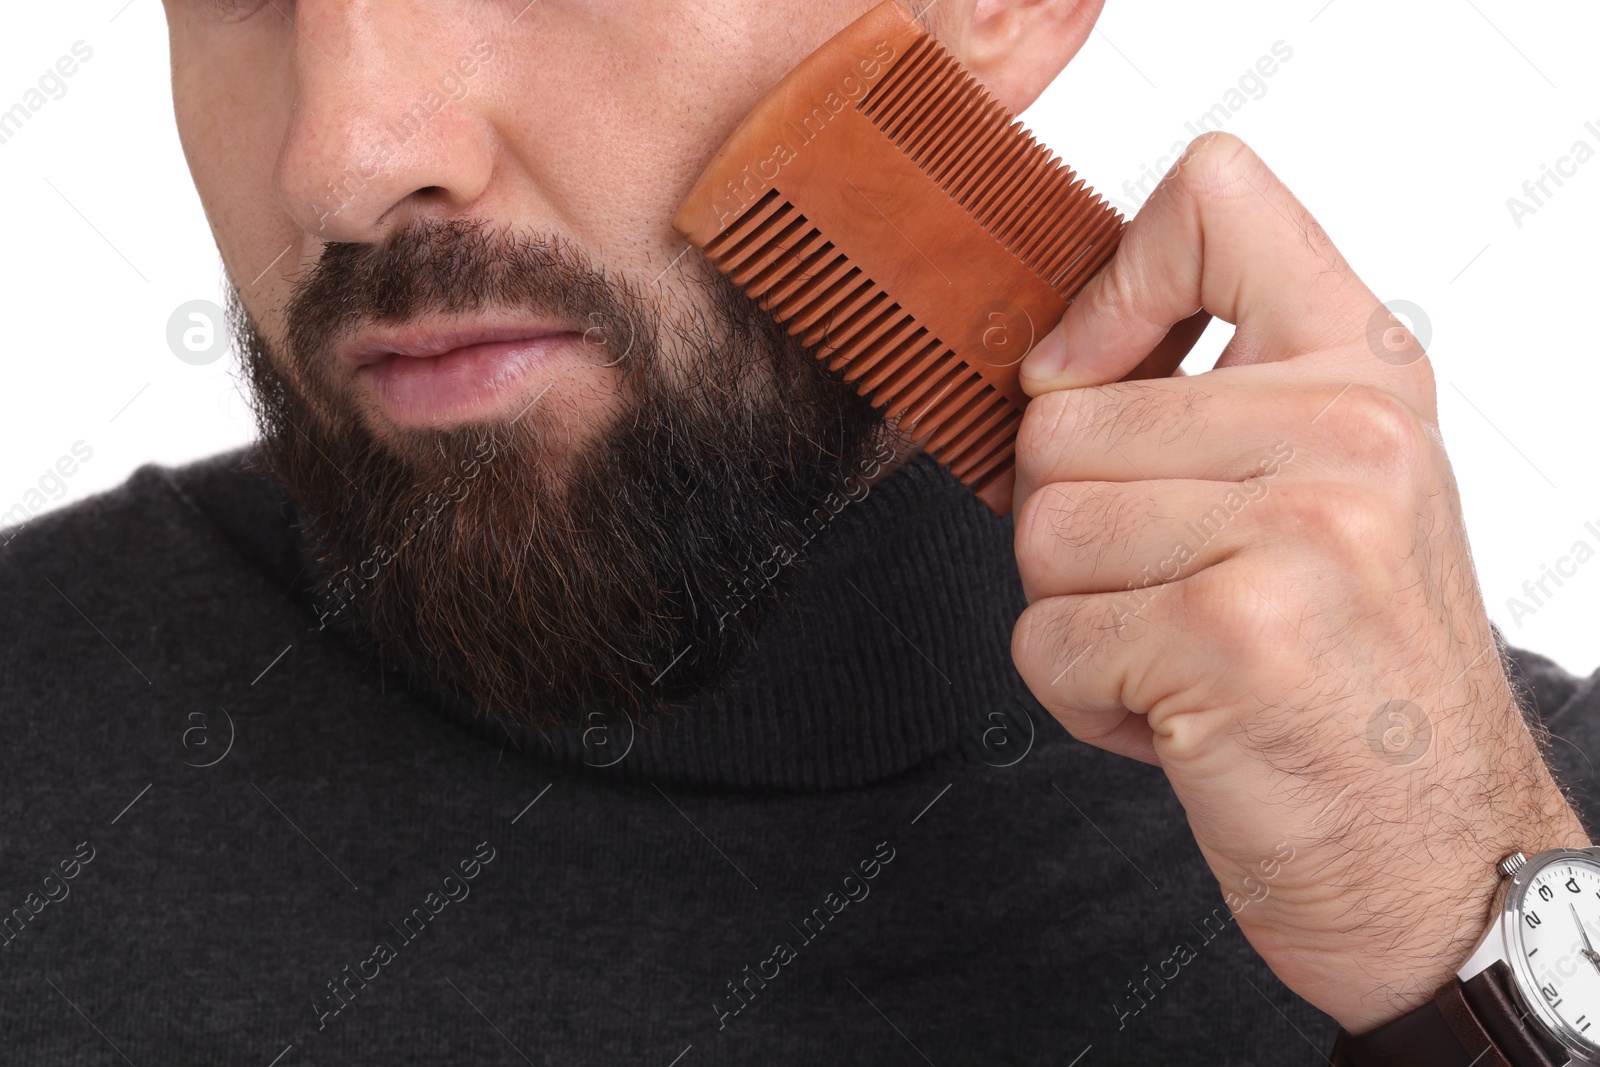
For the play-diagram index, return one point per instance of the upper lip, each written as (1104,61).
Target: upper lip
(419,340)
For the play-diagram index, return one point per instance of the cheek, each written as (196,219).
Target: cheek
(232,101)
(644,101)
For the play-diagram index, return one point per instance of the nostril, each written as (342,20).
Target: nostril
(437,201)
(432,196)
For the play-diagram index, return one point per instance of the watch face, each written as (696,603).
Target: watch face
(1555,908)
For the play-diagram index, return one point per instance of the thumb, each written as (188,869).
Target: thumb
(1221,234)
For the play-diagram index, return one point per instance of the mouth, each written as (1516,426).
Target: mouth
(449,372)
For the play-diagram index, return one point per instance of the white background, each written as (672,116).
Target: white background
(1403,127)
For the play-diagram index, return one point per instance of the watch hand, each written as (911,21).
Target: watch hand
(1588,948)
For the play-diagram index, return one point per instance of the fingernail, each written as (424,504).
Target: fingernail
(1048,358)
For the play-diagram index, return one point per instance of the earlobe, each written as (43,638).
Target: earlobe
(1017,47)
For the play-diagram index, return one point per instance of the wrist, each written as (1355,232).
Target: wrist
(1427,899)
(1503,1006)
(1408,979)
(1450,911)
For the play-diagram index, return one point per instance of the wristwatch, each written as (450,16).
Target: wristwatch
(1528,996)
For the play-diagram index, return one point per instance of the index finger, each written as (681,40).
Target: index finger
(1221,234)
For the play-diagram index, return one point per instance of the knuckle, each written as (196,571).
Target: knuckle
(1041,634)
(1353,527)
(1243,619)
(1066,531)
(1221,607)
(1049,424)
(1072,516)
(1118,295)
(1042,426)
(1035,522)
(1053,631)
(1423,384)
(1125,410)
(1217,163)
(1031,543)
(1380,431)
(1108,414)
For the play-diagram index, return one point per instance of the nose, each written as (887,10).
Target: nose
(384,127)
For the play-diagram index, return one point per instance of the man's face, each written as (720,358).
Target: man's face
(541,449)
(582,122)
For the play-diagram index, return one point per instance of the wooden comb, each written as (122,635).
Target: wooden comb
(892,215)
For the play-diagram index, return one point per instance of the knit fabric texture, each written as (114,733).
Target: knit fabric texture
(230,836)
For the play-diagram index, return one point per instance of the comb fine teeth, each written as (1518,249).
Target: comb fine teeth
(884,208)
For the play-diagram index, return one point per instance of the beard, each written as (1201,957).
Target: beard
(541,579)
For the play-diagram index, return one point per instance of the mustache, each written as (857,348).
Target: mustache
(454,267)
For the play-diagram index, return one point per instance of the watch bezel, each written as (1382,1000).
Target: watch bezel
(1523,985)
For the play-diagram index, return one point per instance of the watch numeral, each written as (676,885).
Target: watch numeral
(1572,886)
(1550,995)
(1545,892)
(1532,918)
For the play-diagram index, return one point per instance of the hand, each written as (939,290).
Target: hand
(1257,578)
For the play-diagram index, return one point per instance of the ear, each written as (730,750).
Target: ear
(1017,47)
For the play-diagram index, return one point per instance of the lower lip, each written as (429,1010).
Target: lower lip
(462,385)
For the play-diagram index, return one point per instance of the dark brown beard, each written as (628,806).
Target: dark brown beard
(543,580)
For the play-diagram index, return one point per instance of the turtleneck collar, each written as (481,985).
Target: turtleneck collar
(893,645)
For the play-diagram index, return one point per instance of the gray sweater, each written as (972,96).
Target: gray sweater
(227,836)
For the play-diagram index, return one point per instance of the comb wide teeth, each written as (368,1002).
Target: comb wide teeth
(1015,228)
(796,275)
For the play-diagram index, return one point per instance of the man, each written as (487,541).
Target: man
(576,673)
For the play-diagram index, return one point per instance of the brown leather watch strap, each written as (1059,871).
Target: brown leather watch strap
(1477,1023)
